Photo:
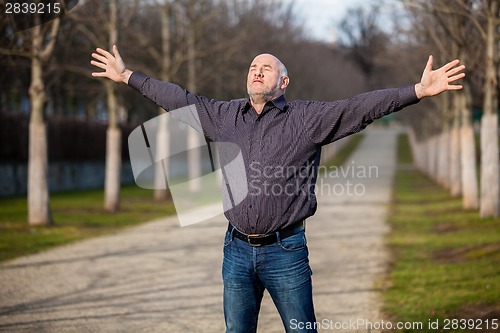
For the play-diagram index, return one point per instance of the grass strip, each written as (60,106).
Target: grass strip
(446,261)
(77,215)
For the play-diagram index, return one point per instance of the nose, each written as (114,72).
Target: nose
(258,73)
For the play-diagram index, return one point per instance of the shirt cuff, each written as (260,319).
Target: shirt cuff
(408,96)
(136,80)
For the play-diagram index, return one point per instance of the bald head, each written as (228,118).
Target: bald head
(267,78)
(273,59)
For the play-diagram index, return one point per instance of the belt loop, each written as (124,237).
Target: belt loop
(278,237)
(232,231)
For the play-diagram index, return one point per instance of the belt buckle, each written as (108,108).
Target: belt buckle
(253,236)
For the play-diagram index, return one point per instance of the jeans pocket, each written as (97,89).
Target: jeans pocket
(228,238)
(294,243)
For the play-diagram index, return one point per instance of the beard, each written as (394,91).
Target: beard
(261,97)
(264,95)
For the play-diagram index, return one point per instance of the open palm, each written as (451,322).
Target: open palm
(113,65)
(434,82)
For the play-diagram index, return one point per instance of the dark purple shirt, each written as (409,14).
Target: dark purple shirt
(281,147)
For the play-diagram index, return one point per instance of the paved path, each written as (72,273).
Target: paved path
(159,277)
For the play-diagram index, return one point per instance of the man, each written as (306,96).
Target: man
(280,141)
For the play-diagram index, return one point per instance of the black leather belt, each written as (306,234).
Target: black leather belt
(266,239)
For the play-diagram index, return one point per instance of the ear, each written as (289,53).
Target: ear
(284,83)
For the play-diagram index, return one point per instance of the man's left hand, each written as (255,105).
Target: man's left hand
(434,82)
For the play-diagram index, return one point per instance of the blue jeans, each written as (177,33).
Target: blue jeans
(282,268)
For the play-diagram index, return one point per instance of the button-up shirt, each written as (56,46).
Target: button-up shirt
(280,147)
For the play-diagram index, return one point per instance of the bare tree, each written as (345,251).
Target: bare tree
(367,44)
(163,135)
(194,155)
(113,139)
(101,27)
(490,197)
(470,199)
(37,44)
(38,191)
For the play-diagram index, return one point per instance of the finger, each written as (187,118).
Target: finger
(99,57)
(98,64)
(104,53)
(99,74)
(456,77)
(428,66)
(455,70)
(451,64)
(455,87)
(115,51)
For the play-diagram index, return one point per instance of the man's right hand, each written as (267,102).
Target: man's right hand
(114,67)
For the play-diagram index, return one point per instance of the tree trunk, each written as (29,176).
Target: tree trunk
(444,158)
(455,161)
(444,141)
(38,189)
(113,155)
(489,206)
(161,192)
(113,134)
(194,154)
(489,166)
(113,166)
(468,153)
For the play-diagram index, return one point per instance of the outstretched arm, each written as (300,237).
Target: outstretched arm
(434,82)
(165,94)
(331,121)
(113,65)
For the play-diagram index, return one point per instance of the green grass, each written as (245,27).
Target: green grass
(446,261)
(77,215)
(341,156)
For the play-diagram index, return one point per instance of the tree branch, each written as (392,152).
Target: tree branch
(467,14)
(92,37)
(9,52)
(49,48)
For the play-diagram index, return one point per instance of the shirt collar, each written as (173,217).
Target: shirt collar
(279,102)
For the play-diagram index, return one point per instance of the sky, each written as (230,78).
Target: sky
(320,17)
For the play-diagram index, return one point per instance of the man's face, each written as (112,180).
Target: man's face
(264,81)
